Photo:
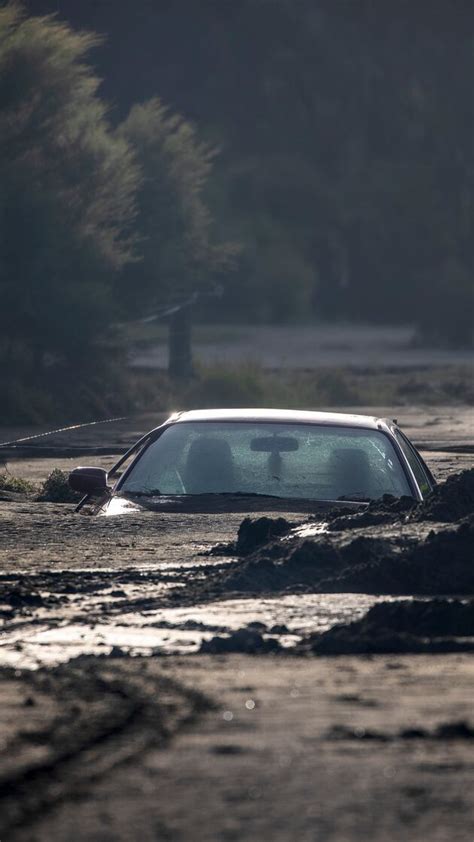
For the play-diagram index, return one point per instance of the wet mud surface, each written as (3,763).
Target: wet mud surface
(393,547)
(108,726)
(68,727)
(72,585)
(287,749)
(400,627)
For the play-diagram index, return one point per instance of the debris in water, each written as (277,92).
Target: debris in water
(255,533)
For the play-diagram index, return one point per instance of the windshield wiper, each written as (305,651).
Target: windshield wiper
(228,494)
(152,493)
(157,493)
(237,494)
(355,498)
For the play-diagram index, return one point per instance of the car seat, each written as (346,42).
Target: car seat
(209,467)
(349,472)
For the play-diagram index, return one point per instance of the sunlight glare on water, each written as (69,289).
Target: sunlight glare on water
(178,630)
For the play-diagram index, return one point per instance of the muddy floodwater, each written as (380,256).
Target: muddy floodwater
(146,662)
(85,585)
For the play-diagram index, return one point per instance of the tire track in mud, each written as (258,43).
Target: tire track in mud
(65,728)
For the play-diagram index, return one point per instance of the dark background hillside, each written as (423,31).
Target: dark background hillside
(346,137)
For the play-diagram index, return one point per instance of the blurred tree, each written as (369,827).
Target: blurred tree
(180,258)
(347,136)
(67,192)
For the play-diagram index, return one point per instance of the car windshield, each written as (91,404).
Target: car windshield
(297,461)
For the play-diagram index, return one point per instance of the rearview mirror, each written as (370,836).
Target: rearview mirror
(88,481)
(274,444)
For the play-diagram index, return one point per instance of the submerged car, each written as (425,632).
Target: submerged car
(258,459)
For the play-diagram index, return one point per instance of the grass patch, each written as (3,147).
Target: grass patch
(120,391)
(250,385)
(55,489)
(15,484)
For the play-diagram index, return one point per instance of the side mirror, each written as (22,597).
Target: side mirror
(88,481)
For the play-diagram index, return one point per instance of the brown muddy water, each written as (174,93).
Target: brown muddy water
(113,728)
(48,637)
(86,585)
(148,583)
(153,583)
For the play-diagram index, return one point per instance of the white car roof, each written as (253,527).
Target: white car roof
(295,416)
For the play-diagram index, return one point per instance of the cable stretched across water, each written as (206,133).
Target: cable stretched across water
(18,443)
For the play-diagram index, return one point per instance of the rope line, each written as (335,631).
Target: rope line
(61,430)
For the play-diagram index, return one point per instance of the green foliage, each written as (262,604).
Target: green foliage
(15,484)
(221,386)
(67,187)
(174,223)
(249,384)
(55,489)
(346,171)
(23,402)
(347,143)
(103,390)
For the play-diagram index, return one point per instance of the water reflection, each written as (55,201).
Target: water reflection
(52,640)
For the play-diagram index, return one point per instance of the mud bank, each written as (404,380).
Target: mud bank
(439,564)
(444,731)
(400,627)
(253,533)
(448,503)
(435,626)
(393,547)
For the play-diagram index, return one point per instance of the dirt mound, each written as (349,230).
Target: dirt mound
(440,565)
(21,597)
(261,573)
(408,563)
(302,569)
(255,533)
(434,617)
(252,534)
(304,565)
(443,564)
(248,641)
(459,730)
(384,511)
(397,627)
(451,501)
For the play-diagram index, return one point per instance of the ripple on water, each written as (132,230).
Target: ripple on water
(178,630)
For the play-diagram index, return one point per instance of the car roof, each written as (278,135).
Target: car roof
(295,416)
